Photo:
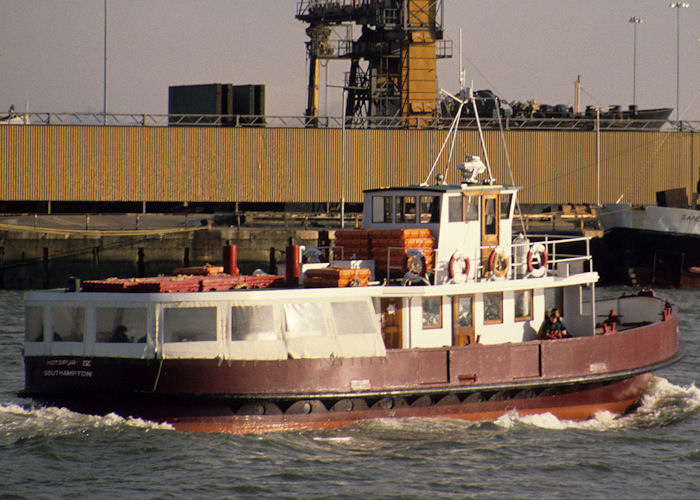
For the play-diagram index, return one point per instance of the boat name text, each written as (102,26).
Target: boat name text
(69,368)
(695,218)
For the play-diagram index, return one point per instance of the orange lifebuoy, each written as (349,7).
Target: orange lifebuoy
(537,259)
(456,258)
(498,262)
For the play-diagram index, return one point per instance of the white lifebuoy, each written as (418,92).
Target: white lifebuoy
(537,260)
(462,264)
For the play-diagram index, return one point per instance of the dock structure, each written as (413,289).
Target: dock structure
(393,61)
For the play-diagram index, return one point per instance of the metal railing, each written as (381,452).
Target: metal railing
(330,122)
(560,261)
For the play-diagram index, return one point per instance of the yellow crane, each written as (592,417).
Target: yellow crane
(393,61)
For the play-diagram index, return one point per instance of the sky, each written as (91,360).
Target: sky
(52,52)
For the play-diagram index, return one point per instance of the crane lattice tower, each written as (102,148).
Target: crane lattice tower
(393,61)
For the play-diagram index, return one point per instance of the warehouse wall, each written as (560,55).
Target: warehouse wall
(222,164)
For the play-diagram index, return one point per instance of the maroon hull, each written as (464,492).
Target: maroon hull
(572,401)
(572,378)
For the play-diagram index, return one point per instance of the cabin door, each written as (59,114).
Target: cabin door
(490,218)
(462,319)
(392,333)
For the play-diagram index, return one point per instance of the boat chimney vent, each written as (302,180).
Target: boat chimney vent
(471,169)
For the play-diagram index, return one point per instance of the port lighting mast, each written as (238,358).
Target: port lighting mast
(392,62)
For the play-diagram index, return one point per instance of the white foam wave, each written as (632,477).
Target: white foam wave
(338,439)
(663,403)
(17,421)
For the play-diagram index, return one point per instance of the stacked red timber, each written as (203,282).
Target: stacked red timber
(334,277)
(205,270)
(181,283)
(401,241)
(352,244)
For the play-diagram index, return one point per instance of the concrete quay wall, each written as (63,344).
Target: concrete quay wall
(34,260)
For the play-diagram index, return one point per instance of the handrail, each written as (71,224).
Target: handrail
(558,262)
(333,122)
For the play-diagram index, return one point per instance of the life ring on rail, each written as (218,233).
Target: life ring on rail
(537,260)
(414,267)
(499,262)
(462,264)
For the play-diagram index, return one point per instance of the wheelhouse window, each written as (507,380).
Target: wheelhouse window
(429,209)
(471,208)
(506,200)
(255,322)
(523,305)
(493,308)
(454,206)
(490,215)
(68,324)
(121,324)
(34,324)
(405,209)
(188,324)
(382,209)
(432,312)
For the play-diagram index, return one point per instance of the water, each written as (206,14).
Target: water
(652,453)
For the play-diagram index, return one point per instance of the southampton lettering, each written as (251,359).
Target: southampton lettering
(68,373)
(68,368)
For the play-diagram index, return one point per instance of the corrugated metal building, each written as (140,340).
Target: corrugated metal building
(215,164)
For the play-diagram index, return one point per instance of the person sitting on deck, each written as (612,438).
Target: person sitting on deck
(120,334)
(611,321)
(552,327)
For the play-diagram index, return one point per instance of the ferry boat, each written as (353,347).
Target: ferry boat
(431,309)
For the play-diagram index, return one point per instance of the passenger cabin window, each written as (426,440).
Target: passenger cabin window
(471,208)
(34,324)
(189,324)
(429,209)
(304,319)
(381,209)
(523,305)
(493,308)
(352,317)
(490,216)
(432,312)
(255,322)
(405,209)
(506,200)
(454,205)
(68,324)
(121,324)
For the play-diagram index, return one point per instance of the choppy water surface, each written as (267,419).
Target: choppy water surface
(651,453)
